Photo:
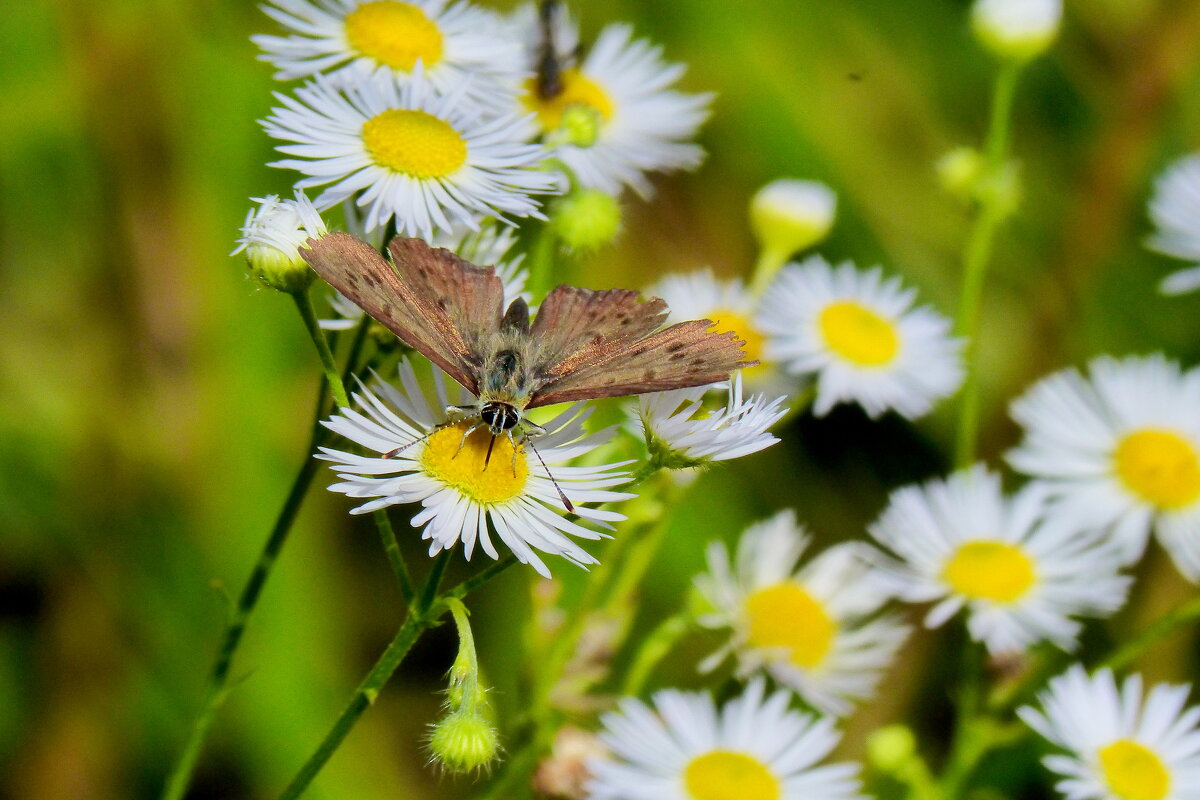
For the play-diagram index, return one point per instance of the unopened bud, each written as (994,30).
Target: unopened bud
(271,237)
(959,172)
(890,748)
(1016,30)
(586,219)
(579,125)
(464,741)
(788,216)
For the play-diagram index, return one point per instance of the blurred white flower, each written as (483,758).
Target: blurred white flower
(815,628)
(1120,746)
(1120,450)
(1021,574)
(1017,29)
(1175,211)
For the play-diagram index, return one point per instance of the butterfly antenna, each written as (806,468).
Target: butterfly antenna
(557,488)
(403,447)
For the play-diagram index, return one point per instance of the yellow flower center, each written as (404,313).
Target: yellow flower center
(728,320)
(577,90)
(1133,772)
(993,571)
(394,33)
(726,775)
(1159,466)
(464,465)
(414,143)
(786,616)
(858,334)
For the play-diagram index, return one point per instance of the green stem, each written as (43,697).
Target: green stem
(654,648)
(976,257)
(541,260)
(424,617)
(332,375)
(1185,614)
(387,536)
(217,691)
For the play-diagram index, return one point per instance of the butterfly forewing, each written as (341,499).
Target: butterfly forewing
(407,301)
(685,354)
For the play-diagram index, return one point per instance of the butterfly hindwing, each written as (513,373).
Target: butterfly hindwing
(685,354)
(407,300)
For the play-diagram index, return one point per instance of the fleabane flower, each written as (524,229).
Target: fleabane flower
(676,424)
(353,40)
(684,748)
(1120,449)
(613,117)
(857,333)
(788,216)
(1021,574)
(815,628)
(409,153)
(1175,211)
(472,487)
(1120,745)
(272,236)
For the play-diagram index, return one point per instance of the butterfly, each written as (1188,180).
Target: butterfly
(582,344)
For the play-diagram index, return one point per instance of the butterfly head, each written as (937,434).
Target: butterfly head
(499,417)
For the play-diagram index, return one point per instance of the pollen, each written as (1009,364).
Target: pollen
(989,570)
(729,775)
(414,143)
(577,90)
(786,616)
(1159,466)
(728,320)
(463,464)
(394,33)
(1134,772)
(858,334)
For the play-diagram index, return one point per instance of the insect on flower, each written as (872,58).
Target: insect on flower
(583,344)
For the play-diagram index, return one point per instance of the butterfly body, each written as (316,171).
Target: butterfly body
(582,344)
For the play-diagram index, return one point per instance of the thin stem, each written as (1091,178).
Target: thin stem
(217,691)
(429,591)
(387,536)
(654,648)
(332,375)
(541,259)
(1185,614)
(976,257)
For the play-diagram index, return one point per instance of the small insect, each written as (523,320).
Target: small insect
(583,344)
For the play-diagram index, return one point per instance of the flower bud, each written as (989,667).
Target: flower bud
(1016,30)
(586,219)
(890,748)
(788,216)
(271,237)
(579,126)
(464,741)
(959,172)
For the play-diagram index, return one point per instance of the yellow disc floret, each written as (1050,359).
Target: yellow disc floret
(727,775)
(1134,772)
(858,334)
(1159,466)
(989,570)
(464,464)
(577,90)
(786,616)
(414,143)
(394,33)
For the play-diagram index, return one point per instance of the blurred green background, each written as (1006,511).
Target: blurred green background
(156,402)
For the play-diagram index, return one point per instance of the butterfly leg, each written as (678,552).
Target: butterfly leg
(463,441)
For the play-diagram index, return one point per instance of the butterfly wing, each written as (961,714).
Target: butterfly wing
(435,302)
(603,344)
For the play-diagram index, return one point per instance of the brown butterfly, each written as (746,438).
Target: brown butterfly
(583,343)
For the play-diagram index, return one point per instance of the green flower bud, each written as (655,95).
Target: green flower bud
(586,219)
(959,172)
(1016,30)
(890,748)
(788,216)
(579,125)
(271,238)
(464,741)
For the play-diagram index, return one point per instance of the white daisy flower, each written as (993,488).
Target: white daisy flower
(352,40)
(1020,573)
(753,748)
(859,335)
(408,153)
(469,484)
(677,421)
(614,117)
(1119,747)
(815,628)
(272,236)
(1175,212)
(1121,449)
